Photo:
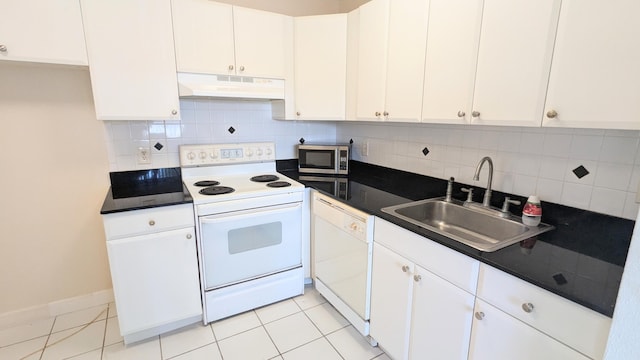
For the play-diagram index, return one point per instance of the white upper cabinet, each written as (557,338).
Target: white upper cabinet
(405,59)
(391,47)
(203,32)
(216,38)
(514,58)
(595,82)
(131,59)
(42,31)
(372,59)
(320,66)
(450,65)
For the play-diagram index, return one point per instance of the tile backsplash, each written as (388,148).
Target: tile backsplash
(205,122)
(597,170)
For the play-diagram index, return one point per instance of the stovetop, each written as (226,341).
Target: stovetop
(232,166)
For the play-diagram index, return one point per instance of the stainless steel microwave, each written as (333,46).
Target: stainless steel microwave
(324,159)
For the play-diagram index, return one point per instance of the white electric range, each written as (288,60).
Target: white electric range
(248,226)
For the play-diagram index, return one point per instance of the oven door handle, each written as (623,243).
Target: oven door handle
(242,214)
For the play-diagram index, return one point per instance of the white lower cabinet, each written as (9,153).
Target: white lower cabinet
(417,311)
(532,323)
(497,335)
(432,302)
(154,274)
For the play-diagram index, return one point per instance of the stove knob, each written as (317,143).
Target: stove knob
(249,152)
(203,155)
(213,154)
(269,151)
(259,152)
(191,155)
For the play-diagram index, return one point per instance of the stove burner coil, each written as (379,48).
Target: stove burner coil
(216,190)
(278,184)
(207,183)
(264,178)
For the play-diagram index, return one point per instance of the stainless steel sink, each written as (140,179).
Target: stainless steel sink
(472,227)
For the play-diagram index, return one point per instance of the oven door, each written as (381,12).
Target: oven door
(242,245)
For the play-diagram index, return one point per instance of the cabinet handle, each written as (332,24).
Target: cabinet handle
(552,114)
(417,278)
(475,114)
(297,113)
(241,67)
(151,222)
(377,113)
(479,315)
(3,48)
(230,67)
(174,112)
(405,268)
(188,236)
(527,307)
(386,113)
(461,113)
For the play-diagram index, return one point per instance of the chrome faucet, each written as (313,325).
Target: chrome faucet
(487,194)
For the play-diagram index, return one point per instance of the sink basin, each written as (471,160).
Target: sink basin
(469,226)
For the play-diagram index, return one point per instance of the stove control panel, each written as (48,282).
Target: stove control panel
(226,154)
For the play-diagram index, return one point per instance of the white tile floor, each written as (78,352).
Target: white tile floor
(305,327)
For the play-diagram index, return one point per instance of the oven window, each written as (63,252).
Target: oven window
(254,237)
(317,159)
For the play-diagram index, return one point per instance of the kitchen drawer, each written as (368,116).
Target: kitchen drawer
(572,324)
(147,221)
(449,264)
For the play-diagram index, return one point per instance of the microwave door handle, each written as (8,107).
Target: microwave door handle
(239,215)
(336,165)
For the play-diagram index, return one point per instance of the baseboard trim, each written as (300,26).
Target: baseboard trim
(40,312)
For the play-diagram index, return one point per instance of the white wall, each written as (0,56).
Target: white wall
(623,339)
(526,160)
(54,179)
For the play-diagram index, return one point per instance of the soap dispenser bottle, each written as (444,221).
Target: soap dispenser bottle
(532,211)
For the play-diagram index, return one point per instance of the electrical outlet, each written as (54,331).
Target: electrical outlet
(144,155)
(365,148)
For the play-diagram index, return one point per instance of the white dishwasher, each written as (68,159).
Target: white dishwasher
(342,253)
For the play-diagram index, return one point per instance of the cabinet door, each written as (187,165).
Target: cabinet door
(405,59)
(203,32)
(42,31)
(262,41)
(155,279)
(450,65)
(496,335)
(441,320)
(594,79)
(131,59)
(372,59)
(514,58)
(320,67)
(391,292)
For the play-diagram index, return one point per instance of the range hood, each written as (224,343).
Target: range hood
(229,86)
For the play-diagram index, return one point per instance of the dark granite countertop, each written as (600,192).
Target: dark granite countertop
(581,260)
(144,189)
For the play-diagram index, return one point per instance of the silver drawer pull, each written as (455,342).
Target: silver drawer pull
(188,236)
(151,222)
(417,278)
(405,268)
(527,307)
(479,315)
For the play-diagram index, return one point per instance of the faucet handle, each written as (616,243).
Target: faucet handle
(507,202)
(469,192)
